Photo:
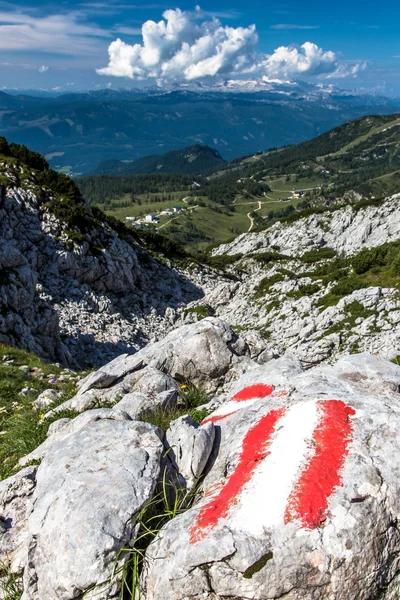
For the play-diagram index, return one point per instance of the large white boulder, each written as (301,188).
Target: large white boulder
(303,498)
(90,487)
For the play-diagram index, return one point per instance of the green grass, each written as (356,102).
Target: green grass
(354,311)
(190,398)
(22,429)
(168,502)
(10,584)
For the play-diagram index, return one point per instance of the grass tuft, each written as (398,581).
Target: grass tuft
(10,584)
(21,426)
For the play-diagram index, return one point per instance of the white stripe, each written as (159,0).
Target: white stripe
(262,502)
(232,406)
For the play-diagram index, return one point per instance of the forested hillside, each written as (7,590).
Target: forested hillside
(360,159)
(192,160)
(362,155)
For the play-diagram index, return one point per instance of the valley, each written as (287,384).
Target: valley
(202,221)
(358,160)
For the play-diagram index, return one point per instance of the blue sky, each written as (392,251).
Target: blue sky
(73,44)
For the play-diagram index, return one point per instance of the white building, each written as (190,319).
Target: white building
(151,218)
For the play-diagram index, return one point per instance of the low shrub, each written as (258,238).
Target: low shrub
(266,283)
(201,311)
(347,286)
(267,257)
(315,255)
(368,258)
(307,289)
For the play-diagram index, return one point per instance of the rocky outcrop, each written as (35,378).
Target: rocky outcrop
(84,296)
(206,353)
(345,230)
(15,495)
(283,304)
(89,488)
(79,296)
(189,448)
(302,499)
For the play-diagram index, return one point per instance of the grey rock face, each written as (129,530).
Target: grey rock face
(26,319)
(15,493)
(78,303)
(189,447)
(346,230)
(303,497)
(281,304)
(90,486)
(206,353)
(63,428)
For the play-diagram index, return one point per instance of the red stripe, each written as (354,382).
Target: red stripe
(217,418)
(255,448)
(259,390)
(309,498)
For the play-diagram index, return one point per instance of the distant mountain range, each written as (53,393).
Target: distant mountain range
(77,131)
(189,161)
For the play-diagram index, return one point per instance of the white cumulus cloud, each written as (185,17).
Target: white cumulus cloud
(309,59)
(179,47)
(188,46)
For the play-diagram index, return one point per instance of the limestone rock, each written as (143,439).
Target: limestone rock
(207,352)
(189,446)
(79,303)
(62,429)
(90,486)
(346,230)
(46,398)
(303,497)
(15,493)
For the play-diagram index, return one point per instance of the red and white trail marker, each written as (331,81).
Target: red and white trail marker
(289,466)
(246,397)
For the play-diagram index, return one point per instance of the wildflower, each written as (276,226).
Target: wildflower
(183,387)
(41,416)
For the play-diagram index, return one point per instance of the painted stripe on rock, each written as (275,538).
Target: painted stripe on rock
(255,448)
(259,390)
(246,397)
(289,467)
(264,498)
(318,481)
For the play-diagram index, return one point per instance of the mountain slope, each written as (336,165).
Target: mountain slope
(77,286)
(318,288)
(189,161)
(357,156)
(360,159)
(77,131)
